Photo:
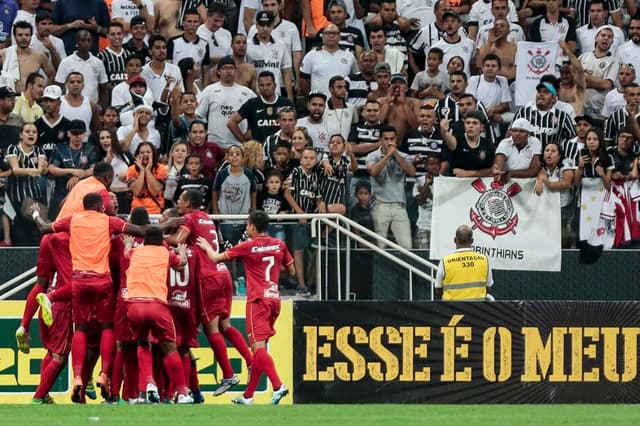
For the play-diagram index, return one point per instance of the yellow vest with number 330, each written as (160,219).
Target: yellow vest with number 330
(465,276)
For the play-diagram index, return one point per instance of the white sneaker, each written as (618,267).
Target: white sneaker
(152,394)
(241,400)
(22,339)
(279,394)
(184,399)
(226,384)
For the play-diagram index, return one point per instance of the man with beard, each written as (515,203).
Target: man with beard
(246,74)
(45,42)
(620,118)
(630,50)
(161,76)
(27,103)
(320,130)
(453,44)
(21,60)
(601,69)
(598,16)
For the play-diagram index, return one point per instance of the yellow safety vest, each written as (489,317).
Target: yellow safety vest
(465,276)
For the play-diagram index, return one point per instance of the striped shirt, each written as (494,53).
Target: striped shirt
(114,64)
(421,143)
(20,187)
(269,149)
(359,88)
(364,132)
(333,188)
(396,39)
(549,126)
(582,9)
(305,188)
(614,124)
(448,108)
(186,5)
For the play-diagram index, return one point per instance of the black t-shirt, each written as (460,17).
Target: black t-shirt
(50,136)
(262,117)
(468,158)
(362,215)
(272,203)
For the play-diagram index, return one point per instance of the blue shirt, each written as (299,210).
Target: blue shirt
(8,12)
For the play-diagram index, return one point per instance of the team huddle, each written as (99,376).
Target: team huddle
(135,295)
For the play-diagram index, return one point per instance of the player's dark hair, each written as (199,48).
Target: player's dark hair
(22,24)
(602,2)
(186,160)
(375,29)
(259,219)
(139,216)
(333,80)
(153,236)
(550,78)
(92,201)
(194,197)
(102,168)
(468,95)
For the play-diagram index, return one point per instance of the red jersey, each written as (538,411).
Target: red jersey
(200,224)
(263,257)
(182,284)
(64,271)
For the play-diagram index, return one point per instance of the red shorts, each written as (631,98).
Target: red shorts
(186,327)
(45,266)
(216,294)
(92,295)
(57,338)
(150,317)
(261,316)
(121,326)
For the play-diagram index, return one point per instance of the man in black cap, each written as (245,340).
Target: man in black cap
(452,44)
(267,54)
(10,123)
(70,162)
(52,126)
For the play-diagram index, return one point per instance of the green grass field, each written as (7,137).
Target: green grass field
(325,415)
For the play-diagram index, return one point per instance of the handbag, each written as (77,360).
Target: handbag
(25,208)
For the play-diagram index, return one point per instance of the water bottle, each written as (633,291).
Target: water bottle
(242,286)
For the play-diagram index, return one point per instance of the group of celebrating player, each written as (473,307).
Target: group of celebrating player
(116,289)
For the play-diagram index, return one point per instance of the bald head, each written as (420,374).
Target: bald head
(464,236)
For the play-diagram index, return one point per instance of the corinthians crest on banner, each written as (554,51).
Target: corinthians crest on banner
(533,60)
(517,229)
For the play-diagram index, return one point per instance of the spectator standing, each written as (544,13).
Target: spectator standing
(210,153)
(10,123)
(27,106)
(44,41)
(161,76)
(318,127)
(189,44)
(211,30)
(52,126)
(137,44)
(146,178)
(125,11)
(71,16)
(114,57)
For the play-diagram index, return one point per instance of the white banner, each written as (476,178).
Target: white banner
(533,60)
(517,229)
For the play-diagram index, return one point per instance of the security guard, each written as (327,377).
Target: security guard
(465,274)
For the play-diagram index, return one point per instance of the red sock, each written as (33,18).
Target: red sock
(78,352)
(117,373)
(254,377)
(48,378)
(220,353)
(186,367)
(45,362)
(62,294)
(173,367)
(158,373)
(107,349)
(194,381)
(269,367)
(145,368)
(237,340)
(130,388)
(30,306)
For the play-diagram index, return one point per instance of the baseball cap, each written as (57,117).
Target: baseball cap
(265,17)
(583,117)
(450,13)
(6,92)
(381,67)
(52,92)
(476,114)
(522,124)
(316,94)
(340,3)
(226,60)
(548,87)
(137,79)
(399,76)
(77,126)
(137,20)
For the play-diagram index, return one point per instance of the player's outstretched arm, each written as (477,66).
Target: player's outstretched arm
(211,253)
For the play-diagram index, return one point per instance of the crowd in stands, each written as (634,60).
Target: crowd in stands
(350,107)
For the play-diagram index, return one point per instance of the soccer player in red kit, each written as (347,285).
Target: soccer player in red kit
(215,287)
(92,290)
(263,257)
(149,313)
(99,183)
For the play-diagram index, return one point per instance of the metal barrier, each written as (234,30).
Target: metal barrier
(342,226)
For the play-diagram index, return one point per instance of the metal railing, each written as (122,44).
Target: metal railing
(342,225)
